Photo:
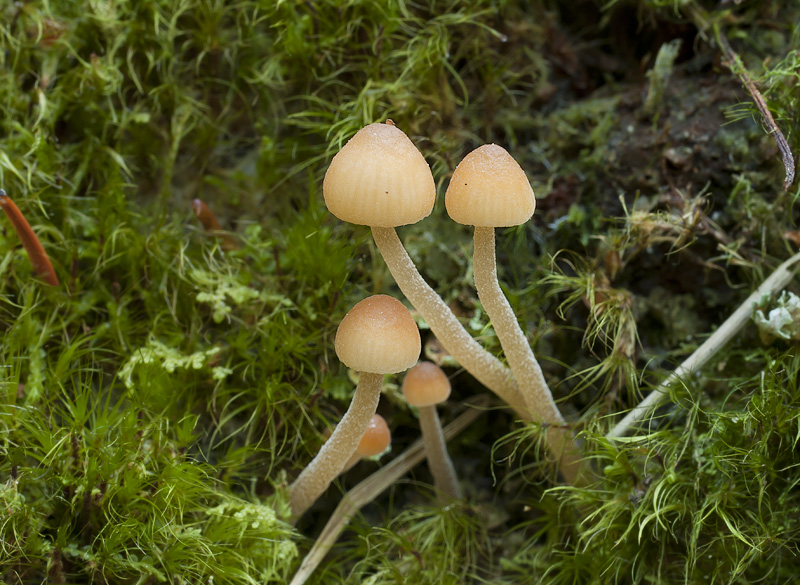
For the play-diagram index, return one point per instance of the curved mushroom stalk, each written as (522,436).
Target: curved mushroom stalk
(336,451)
(488,190)
(377,336)
(439,462)
(486,368)
(521,358)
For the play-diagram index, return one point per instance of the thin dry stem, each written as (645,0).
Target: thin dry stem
(736,66)
(439,462)
(777,281)
(36,254)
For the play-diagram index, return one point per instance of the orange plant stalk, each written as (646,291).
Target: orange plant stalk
(210,223)
(41,263)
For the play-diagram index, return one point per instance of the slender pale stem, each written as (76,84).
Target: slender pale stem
(351,463)
(486,368)
(526,369)
(439,462)
(336,451)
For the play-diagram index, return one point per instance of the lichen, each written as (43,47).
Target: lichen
(781,320)
(160,355)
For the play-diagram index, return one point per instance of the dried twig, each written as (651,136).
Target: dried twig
(36,254)
(732,325)
(374,485)
(736,66)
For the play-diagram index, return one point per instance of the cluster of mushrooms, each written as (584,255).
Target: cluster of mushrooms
(380,179)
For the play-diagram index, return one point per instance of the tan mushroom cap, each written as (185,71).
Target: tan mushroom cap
(426,384)
(376,438)
(379,336)
(489,189)
(379,178)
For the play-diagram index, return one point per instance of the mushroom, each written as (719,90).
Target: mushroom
(425,386)
(375,440)
(36,254)
(381,180)
(488,190)
(377,336)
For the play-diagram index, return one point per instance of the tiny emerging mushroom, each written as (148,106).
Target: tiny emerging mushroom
(375,440)
(424,386)
(378,336)
(36,254)
(489,189)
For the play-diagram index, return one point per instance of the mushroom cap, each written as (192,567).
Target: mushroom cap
(379,336)
(376,438)
(426,384)
(379,178)
(489,189)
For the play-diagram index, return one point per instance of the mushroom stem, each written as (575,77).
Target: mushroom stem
(336,451)
(486,368)
(526,369)
(36,254)
(354,458)
(439,462)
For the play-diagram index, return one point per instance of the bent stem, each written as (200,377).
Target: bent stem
(354,458)
(336,451)
(439,462)
(36,254)
(526,369)
(486,368)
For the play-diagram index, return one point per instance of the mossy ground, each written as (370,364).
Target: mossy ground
(155,406)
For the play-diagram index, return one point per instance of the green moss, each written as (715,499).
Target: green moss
(440,544)
(123,492)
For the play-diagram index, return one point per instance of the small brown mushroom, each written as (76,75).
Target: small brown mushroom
(211,223)
(376,440)
(488,190)
(377,337)
(425,386)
